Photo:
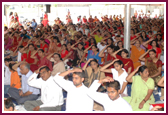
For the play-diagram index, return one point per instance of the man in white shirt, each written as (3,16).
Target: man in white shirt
(112,101)
(7,75)
(27,93)
(77,98)
(51,93)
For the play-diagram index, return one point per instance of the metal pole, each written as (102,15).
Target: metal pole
(127,26)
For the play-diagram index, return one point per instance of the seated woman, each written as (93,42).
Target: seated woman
(64,51)
(15,40)
(79,49)
(42,59)
(141,90)
(107,57)
(136,52)
(30,60)
(93,53)
(154,65)
(54,45)
(58,63)
(93,73)
(153,45)
(43,45)
(119,74)
(15,79)
(128,63)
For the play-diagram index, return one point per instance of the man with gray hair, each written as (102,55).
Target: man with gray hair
(26,93)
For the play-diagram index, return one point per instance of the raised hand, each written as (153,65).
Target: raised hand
(106,79)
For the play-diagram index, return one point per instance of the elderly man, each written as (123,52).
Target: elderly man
(27,93)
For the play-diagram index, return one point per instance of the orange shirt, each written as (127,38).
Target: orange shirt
(15,79)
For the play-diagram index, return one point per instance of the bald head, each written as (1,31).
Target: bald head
(24,68)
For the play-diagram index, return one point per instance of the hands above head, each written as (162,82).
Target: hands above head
(77,70)
(138,67)
(106,79)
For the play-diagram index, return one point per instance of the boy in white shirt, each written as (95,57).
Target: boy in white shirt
(112,101)
(7,75)
(77,98)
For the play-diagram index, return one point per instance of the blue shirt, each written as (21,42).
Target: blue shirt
(26,87)
(34,25)
(92,55)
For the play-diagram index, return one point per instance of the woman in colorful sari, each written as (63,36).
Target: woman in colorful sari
(15,41)
(153,45)
(58,63)
(30,60)
(154,65)
(42,59)
(93,53)
(17,17)
(15,24)
(55,45)
(136,52)
(45,19)
(107,57)
(141,90)
(128,63)
(43,45)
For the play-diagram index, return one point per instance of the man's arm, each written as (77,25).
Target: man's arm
(33,81)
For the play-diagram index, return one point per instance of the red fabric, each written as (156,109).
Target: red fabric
(127,63)
(132,37)
(45,21)
(24,43)
(109,57)
(84,20)
(43,47)
(160,104)
(30,60)
(24,57)
(44,61)
(90,20)
(64,54)
(158,50)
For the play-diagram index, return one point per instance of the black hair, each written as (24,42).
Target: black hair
(8,59)
(111,40)
(10,13)
(160,37)
(94,60)
(41,50)
(98,30)
(32,45)
(152,51)
(58,55)
(111,46)
(66,45)
(45,67)
(133,31)
(8,103)
(56,38)
(56,30)
(49,28)
(42,39)
(119,62)
(115,84)
(11,65)
(157,45)
(64,30)
(117,35)
(125,51)
(80,74)
(142,68)
(93,40)
(20,47)
(82,45)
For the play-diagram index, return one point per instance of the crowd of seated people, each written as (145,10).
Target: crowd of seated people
(39,62)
